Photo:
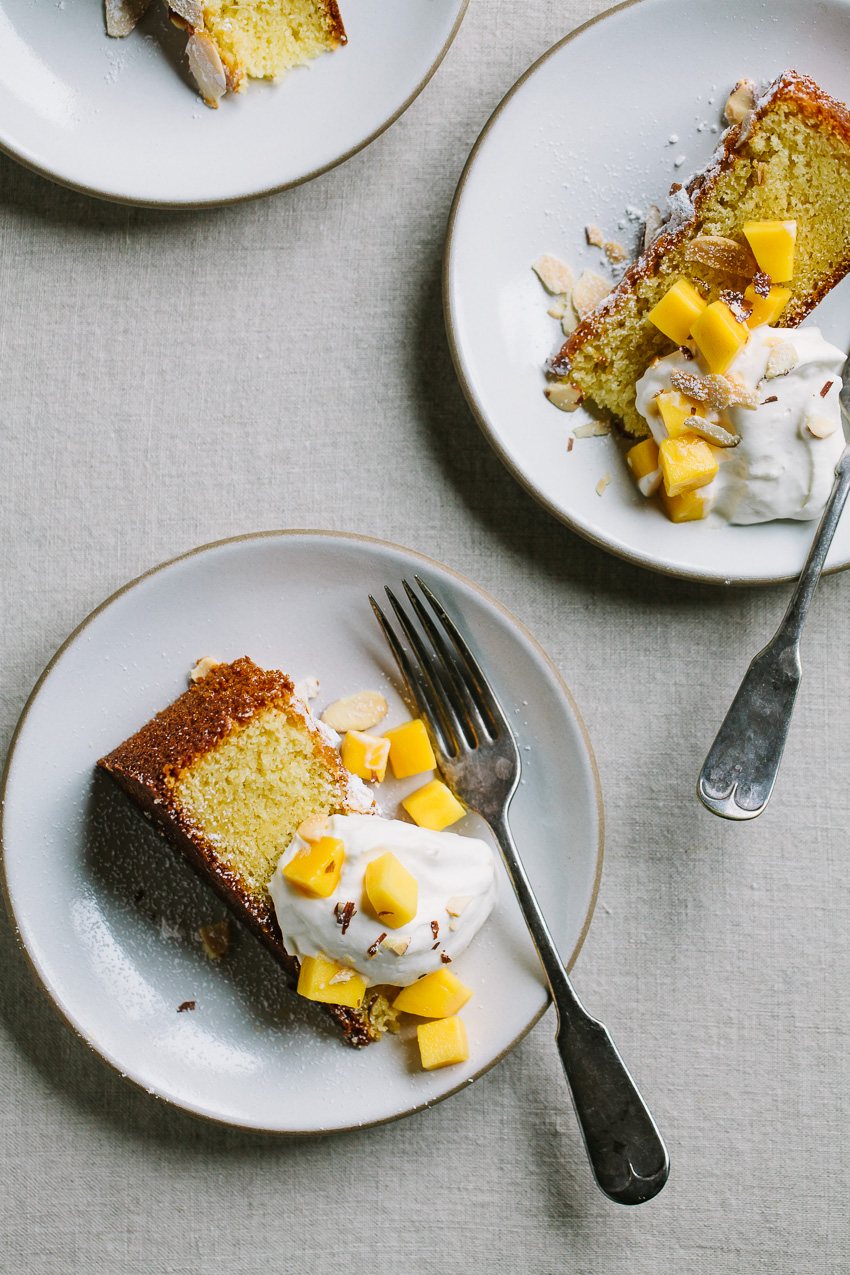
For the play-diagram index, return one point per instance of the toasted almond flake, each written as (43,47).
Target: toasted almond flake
(593,429)
(714,390)
(820,426)
(564,395)
(559,309)
(615,252)
(307,688)
(652,225)
(588,292)
(570,321)
(602,484)
(689,384)
(761,283)
(825,389)
(203,666)
(190,10)
(122,15)
(772,399)
(457,905)
(649,484)
(342,976)
(313,828)
(454,924)
(205,65)
(216,939)
(782,358)
(722,254)
(739,393)
(735,303)
(740,101)
(397,945)
(712,433)
(594,236)
(555,275)
(356,712)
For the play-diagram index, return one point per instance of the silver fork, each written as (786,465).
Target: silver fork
(478,756)
(738,775)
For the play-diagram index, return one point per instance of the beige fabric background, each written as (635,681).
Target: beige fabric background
(168,379)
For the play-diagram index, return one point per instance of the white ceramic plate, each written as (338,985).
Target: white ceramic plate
(584,137)
(108,914)
(121,118)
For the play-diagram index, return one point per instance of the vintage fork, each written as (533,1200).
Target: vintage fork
(478,756)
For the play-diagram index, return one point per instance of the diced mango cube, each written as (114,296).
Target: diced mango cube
(365,755)
(433,806)
(642,459)
(719,336)
(773,243)
(766,310)
(690,506)
(410,749)
(674,409)
(442,1043)
(329,982)
(317,868)
(437,995)
(675,313)
(686,463)
(391,890)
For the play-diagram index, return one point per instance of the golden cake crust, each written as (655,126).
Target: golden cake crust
(148,765)
(804,98)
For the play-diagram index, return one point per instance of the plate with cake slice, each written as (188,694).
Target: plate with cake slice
(645,283)
(233,867)
(178,103)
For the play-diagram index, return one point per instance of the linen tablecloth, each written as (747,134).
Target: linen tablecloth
(168,379)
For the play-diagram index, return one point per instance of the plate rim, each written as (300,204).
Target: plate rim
(635,558)
(188,205)
(218,544)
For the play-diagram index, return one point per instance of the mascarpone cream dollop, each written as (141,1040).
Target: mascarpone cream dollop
(453,872)
(780,469)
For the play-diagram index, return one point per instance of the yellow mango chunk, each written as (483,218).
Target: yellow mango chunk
(773,243)
(316,869)
(365,755)
(391,890)
(674,409)
(690,506)
(642,459)
(329,982)
(442,1043)
(686,463)
(675,313)
(766,310)
(433,806)
(410,749)
(719,336)
(437,995)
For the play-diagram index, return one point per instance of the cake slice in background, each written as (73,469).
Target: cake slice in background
(229,772)
(787,157)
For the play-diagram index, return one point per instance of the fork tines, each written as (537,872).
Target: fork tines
(443,677)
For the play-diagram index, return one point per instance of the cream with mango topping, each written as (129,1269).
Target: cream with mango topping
(446,867)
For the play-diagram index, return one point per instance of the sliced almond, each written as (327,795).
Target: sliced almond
(588,292)
(203,666)
(593,429)
(190,11)
(397,945)
(555,275)
(602,484)
(615,252)
(458,905)
(205,65)
(651,225)
(570,321)
(712,433)
(216,939)
(122,15)
(740,101)
(782,358)
(313,828)
(722,254)
(564,395)
(356,712)
(559,309)
(820,426)
(594,236)
(343,976)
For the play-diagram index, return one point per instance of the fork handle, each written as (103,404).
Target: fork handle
(625,1149)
